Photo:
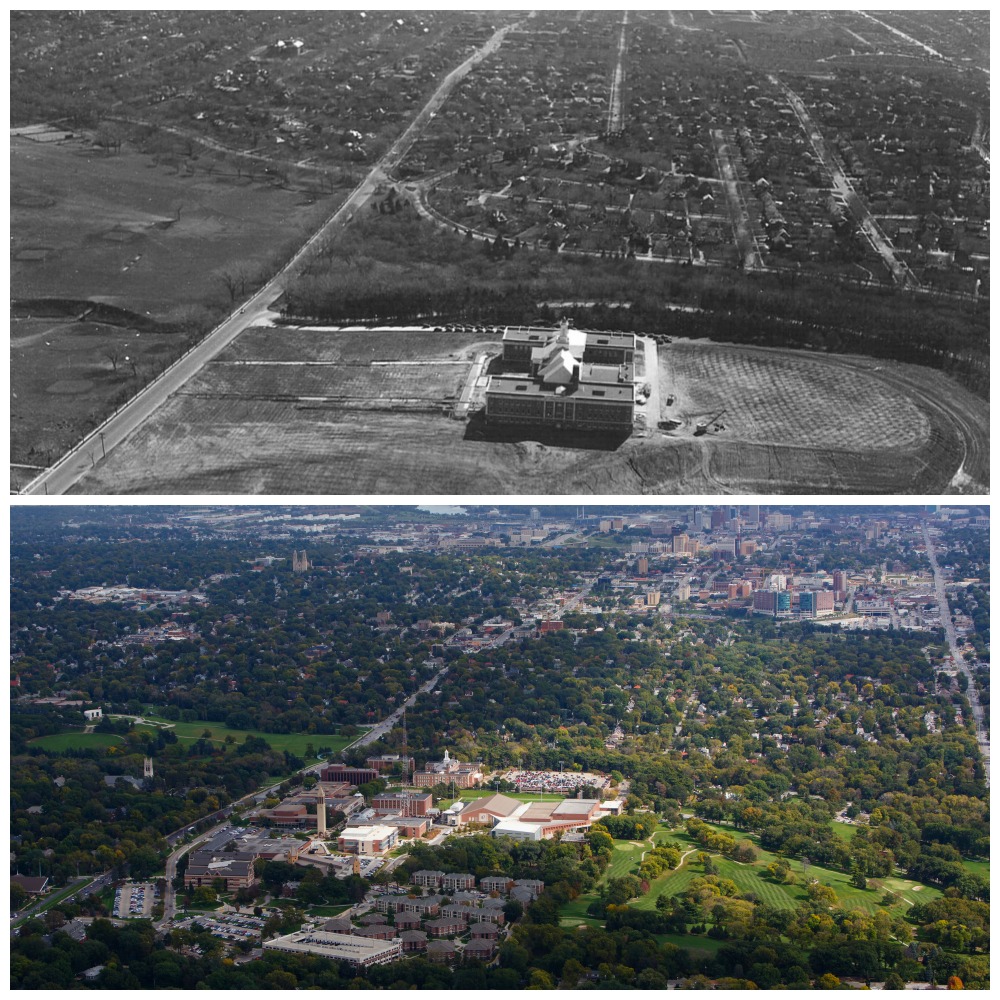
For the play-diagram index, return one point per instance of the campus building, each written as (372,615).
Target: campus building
(234,867)
(403,803)
(346,773)
(568,380)
(367,841)
(525,345)
(448,772)
(356,950)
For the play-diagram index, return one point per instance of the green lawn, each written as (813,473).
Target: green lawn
(692,942)
(55,896)
(845,831)
(470,794)
(981,868)
(76,741)
(328,911)
(296,743)
(625,859)
(753,878)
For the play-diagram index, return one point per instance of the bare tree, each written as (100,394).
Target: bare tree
(234,278)
(115,355)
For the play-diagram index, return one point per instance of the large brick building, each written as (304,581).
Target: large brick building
(352,775)
(565,380)
(447,772)
(403,803)
(235,867)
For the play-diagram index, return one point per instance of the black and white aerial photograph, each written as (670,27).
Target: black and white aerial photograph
(448,253)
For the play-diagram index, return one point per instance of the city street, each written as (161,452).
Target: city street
(982,731)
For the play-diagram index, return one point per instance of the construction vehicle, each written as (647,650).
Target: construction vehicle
(702,426)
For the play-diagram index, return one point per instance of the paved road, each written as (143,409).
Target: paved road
(386,725)
(746,241)
(76,463)
(982,730)
(615,115)
(901,274)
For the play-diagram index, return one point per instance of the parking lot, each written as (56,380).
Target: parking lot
(135,900)
(229,926)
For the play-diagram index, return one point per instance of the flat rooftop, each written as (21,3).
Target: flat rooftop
(514,385)
(332,945)
(539,336)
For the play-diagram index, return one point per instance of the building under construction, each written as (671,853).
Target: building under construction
(566,379)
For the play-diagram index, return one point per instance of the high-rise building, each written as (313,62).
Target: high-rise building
(839,583)
(772,602)
(815,602)
(718,518)
(652,598)
(643,566)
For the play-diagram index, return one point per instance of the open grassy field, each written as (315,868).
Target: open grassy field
(470,794)
(296,743)
(845,831)
(148,239)
(76,741)
(63,382)
(343,412)
(981,868)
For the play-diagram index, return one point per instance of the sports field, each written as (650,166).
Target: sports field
(471,794)
(296,743)
(76,741)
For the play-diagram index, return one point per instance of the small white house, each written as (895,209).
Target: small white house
(92,714)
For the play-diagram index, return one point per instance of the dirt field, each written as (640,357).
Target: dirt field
(119,230)
(800,423)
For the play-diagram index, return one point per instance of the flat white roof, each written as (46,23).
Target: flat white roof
(368,832)
(333,945)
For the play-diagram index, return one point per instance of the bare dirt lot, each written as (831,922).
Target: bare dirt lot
(312,414)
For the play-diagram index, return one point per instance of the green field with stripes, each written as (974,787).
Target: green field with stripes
(749,878)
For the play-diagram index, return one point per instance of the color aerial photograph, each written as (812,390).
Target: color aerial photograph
(632,746)
(500,252)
